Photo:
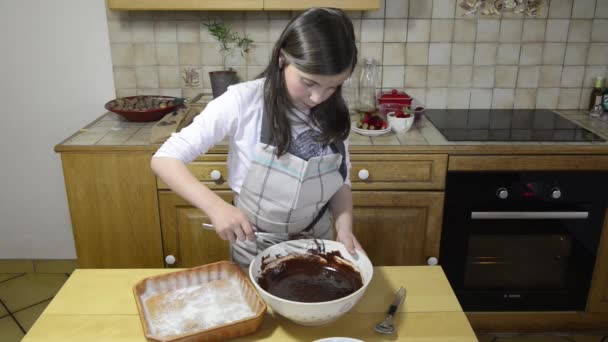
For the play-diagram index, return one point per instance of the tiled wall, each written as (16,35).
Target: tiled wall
(427,47)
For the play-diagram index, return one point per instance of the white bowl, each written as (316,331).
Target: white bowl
(310,314)
(400,125)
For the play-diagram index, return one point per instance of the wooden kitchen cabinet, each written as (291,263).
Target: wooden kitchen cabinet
(398,227)
(114,209)
(398,206)
(398,171)
(240,5)
(395,228)
(183,235)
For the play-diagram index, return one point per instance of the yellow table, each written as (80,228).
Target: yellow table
(98,305)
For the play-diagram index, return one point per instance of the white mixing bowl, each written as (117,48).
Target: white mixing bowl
(310,313)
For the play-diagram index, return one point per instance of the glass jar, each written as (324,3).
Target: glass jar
(350,90)
(367,86)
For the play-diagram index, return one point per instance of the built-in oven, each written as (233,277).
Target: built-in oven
(522,241)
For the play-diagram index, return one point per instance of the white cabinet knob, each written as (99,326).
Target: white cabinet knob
(363,174)
(432,261)
(215,174)
(170,259)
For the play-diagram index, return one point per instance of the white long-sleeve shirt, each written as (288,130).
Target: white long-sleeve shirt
(236,114)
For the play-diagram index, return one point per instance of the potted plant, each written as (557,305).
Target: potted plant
(230,42)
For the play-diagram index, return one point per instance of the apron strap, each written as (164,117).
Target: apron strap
(266,132)
(338,147)
(321,212)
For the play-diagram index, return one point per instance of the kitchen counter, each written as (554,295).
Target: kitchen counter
(99,305)
(112,132)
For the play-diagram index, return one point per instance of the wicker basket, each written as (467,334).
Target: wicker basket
(158,295)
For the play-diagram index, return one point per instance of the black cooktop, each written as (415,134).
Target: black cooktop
(507,125)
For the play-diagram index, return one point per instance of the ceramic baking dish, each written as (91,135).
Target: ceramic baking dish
(212,302)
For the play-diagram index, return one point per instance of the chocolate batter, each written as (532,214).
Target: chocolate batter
(311,277)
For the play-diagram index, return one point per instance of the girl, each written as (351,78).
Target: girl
(288,159)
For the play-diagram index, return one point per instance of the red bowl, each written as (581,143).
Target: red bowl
(145,115)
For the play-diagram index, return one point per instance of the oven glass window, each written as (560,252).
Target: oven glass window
(525,262)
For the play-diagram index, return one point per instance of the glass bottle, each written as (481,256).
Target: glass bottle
(367,86)
(605,98)
(596,93)
(350,90)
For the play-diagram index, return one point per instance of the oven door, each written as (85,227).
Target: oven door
(522,256)
(524,264)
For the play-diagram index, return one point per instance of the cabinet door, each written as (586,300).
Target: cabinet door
(598,294)
(183,234)
(114,209)
(398,227)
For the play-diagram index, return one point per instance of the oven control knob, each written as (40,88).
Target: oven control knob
(502,193)
(556,193)
(431,261)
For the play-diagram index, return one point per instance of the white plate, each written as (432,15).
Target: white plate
(338,339)
(370,132)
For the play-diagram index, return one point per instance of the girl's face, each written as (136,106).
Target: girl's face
(308,90)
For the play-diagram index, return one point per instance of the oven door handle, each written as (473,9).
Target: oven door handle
(529,215)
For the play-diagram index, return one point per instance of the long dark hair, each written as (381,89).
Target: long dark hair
(319,41)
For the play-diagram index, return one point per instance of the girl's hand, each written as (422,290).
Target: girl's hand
(346,237)
(231,223)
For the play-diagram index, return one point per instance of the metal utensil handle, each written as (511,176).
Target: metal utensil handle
(196,98)
(399,297)
(529,215)
(391,310)
(272,237)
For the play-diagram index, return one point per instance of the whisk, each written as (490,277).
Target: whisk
(272,238)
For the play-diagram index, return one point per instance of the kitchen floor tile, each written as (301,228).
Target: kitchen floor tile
(28,316)
(54,266)
(7,276)
(9,330)
(30,289)
(16,266)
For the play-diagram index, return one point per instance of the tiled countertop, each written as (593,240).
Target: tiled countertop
(113,132)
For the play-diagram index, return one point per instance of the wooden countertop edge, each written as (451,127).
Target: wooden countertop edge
(354,149)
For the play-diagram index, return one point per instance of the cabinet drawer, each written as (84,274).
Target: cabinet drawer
(398,172)
(205,170)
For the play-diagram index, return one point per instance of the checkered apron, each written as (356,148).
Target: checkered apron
(287,195)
